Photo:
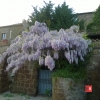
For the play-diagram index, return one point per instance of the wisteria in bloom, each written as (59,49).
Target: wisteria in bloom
(56,55)
(41,61)
(42,45)
(49,62)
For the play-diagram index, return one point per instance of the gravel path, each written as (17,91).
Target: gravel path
(13,96)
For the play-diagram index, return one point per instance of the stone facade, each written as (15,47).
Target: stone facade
(68,89)
(93,71)
(3,45)
(87,17)
(11,31)
(25,81)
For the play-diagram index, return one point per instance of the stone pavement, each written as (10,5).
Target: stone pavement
(14,96)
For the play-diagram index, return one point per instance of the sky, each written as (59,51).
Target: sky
(14,11)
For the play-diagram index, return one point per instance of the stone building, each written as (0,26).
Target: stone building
(7,33)
(31,81)
(11,31)
(87,17)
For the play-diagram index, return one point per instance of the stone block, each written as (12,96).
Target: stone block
(65,88)
(27,81)
(27,71)
(28,76)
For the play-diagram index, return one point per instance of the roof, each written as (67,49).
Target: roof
(12,25)
(85,13)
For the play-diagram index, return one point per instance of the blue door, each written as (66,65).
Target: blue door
(44,82)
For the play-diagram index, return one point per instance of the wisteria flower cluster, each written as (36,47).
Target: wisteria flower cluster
(42,45)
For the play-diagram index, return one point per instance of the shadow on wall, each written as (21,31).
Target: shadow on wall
(4,86)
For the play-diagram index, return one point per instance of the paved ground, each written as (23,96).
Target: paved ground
(11,96)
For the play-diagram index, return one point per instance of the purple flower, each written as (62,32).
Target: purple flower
(30,57)
(68,56)
(25,46)
(49,62)
(76,60)
(55,45)
(56,55)
(41,61)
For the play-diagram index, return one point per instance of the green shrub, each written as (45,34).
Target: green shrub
(94,26)
(74,71)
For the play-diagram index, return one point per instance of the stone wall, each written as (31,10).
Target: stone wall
(11,32)
(3,46)
(93,70)
(87,17)
(4,83)
(68,89)
(15,30)
(25,80)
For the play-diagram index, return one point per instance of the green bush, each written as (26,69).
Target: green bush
(74,71)
(61,16)
(94,26)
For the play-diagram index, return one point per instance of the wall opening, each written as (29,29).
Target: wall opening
(44,81)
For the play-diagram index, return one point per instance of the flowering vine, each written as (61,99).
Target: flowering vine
(44,46)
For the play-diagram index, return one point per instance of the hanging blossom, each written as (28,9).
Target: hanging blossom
(55,45)
(68,56)
(56,55)
(40,43)
(49,62)
(41,61)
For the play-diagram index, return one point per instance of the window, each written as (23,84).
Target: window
(3,36)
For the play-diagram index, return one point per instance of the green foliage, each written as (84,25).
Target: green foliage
(94,26)
(63,17)
(59,17)
(22,94)
(96,18)
(74,71)
(8,95)
(44,14)
(48,92)
(85,36)
(35,16)
(81,25)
